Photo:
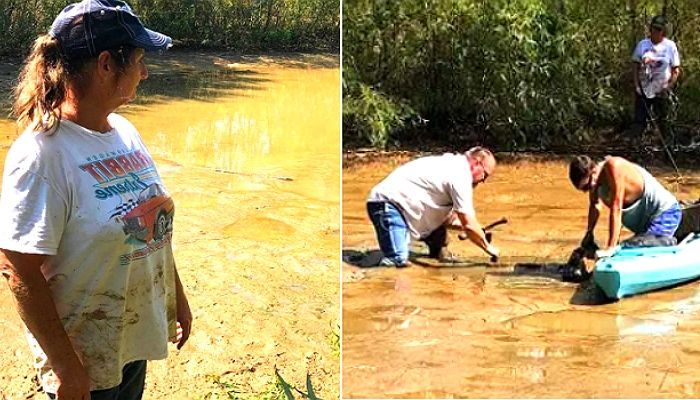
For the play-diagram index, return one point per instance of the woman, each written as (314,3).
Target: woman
(86,223)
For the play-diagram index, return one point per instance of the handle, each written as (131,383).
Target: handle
(487,233)
(486,229)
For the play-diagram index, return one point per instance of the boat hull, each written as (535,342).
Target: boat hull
(632,271)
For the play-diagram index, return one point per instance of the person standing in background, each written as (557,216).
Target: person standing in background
(656,70)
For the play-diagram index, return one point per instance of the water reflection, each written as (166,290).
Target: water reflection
(266,128)
(589,323)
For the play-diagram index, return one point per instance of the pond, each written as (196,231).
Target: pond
(512,329)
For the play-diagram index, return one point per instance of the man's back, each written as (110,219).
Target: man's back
(644,197)
(427,190)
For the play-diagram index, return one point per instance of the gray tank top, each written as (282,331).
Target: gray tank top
(655,199)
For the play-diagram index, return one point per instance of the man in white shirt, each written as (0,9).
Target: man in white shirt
(656,69)
(419,198)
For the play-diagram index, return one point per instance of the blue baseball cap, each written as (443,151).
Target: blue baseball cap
(87,28)
(659,22)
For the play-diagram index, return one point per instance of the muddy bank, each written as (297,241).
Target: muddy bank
(513,329)
(652,155)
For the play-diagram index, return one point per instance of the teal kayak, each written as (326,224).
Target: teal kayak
(637,270)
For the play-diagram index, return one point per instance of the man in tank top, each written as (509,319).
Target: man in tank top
(636,201)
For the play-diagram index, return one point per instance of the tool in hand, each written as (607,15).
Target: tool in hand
(486,229)
(487,233)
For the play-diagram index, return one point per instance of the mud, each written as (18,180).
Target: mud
(512,329)
(248,147)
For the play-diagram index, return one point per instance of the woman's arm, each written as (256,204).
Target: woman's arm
(184,315)
(38,311)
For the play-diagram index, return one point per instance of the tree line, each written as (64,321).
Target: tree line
(229,24)
(517,73)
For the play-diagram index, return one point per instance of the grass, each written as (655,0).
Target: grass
(278,390)
(224,389)
(334,339)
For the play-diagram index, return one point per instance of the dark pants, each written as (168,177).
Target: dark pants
(436,241)
(131,388)
(658,109)
(690,221)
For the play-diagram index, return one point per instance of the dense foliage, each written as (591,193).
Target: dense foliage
(231,24)
(517,72)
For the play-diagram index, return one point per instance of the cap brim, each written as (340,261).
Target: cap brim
(153,41)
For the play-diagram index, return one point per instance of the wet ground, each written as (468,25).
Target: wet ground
(513,329)
(248,148)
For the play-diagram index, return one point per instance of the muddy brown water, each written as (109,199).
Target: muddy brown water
(512,329)
(248,148)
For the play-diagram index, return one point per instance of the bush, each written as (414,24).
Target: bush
(241,25)
(524,72)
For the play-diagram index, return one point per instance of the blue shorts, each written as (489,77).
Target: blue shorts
(666,223)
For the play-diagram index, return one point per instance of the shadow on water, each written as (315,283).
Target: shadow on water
(205,76)
(551,270)
(362,259)
(291,60)
(371,258)
(9,70)
(451,262)
(177,81)
(178,75)
(589,294)
(586,293)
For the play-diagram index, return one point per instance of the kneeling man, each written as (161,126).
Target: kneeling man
(420,197)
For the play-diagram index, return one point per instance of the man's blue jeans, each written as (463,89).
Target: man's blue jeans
(131,388)
(392,232)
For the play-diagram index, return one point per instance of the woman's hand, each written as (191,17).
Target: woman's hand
(184,315)
(184,323)
(73,382)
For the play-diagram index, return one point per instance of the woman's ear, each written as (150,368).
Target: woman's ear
(105,65)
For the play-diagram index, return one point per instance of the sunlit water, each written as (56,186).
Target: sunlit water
(265,117)
(475,329)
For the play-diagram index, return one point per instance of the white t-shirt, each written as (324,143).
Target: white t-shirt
(427,190)
(655,75)
(94,203)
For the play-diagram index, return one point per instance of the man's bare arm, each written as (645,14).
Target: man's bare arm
(475,232)
(675,72)
(616,182)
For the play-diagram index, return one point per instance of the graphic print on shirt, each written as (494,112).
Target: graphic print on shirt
(128,179)
(655,72)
